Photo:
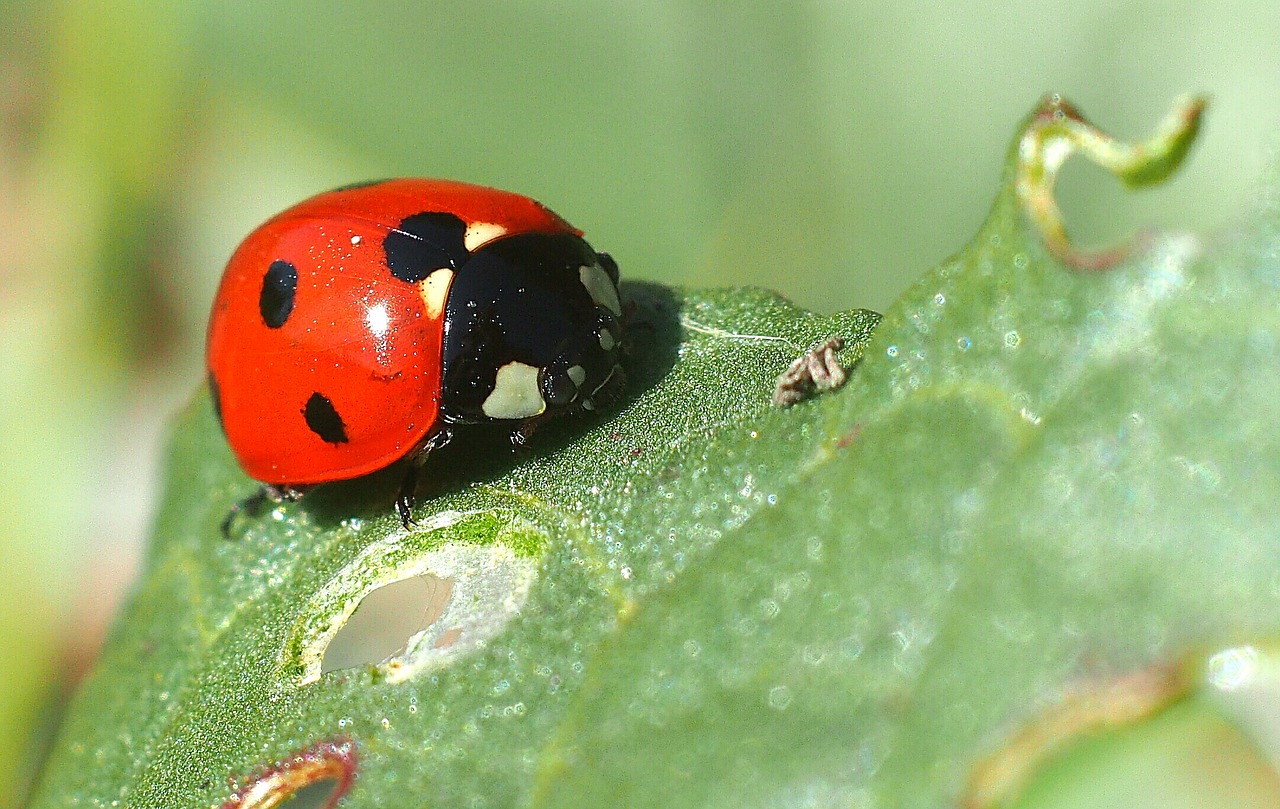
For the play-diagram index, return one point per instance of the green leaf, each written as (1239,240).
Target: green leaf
(1037,477)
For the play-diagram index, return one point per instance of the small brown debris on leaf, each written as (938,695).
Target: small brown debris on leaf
(816,371)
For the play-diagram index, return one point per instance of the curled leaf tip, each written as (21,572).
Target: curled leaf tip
(1057,130)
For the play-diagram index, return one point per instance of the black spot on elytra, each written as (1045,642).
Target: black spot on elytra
(360,184)
(216,398)
(279,288)
(423,243)
(324,420)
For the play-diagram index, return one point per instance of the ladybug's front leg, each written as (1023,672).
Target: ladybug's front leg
(408,494)
(522,433)
(252,504)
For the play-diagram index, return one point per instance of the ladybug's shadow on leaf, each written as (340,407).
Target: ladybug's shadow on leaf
(481,453)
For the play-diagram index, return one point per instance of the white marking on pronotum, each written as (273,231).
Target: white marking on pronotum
(515,393)
(435,290)
(606,340)
(600,286)
(577,374)
(481,233)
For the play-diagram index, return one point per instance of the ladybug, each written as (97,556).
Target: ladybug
(354,330)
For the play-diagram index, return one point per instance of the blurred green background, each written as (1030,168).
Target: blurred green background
(832,150)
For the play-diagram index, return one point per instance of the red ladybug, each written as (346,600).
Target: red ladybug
(353,330)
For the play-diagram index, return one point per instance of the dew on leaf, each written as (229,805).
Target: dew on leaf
(780,697)
(769,609)
(1231,669)
(813,548)
(920,322)
(1204,474)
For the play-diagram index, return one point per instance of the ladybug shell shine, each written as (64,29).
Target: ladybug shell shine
(352,328)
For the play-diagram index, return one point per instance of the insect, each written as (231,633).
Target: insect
(354,330)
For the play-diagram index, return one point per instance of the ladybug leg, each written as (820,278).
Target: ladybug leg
(522,433)
(408,494)
(252,504)
(610,392)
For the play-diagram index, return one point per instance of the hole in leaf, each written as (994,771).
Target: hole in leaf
(315,778)
(387,619)
(313,796)
(406,614)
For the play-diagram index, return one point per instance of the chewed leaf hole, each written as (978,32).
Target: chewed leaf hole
(315,778)
(402,613)
(387,619)
(313,796)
